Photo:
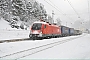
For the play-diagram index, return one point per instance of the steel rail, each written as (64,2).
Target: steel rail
(39,48)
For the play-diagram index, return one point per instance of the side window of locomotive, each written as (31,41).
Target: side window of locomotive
(44,26)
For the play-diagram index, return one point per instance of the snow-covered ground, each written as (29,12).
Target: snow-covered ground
(76,49)
(13,34)
(6,32)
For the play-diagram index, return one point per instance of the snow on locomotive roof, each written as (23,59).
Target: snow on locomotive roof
(40,22)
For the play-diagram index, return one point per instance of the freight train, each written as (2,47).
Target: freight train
(42,29)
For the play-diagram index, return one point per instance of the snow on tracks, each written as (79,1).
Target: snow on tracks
(14,40)
(30,51)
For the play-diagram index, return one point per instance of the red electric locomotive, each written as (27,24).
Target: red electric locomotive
(43,29)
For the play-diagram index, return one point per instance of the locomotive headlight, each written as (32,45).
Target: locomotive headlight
(40,34)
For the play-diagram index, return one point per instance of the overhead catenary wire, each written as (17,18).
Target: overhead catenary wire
(56,8)
(53,6)
(74,9)
(60,10)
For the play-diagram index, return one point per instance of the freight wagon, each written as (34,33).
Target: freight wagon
(64,31)
(71,31)
(77,32)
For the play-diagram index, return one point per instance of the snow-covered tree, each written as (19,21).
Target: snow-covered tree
(4,6)
(22,10)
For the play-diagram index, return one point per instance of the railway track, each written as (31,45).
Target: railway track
(31,51)
(14,40)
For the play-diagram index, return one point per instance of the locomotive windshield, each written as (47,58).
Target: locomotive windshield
(36,26)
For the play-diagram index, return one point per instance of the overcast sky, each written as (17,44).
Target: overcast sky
(67,10)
